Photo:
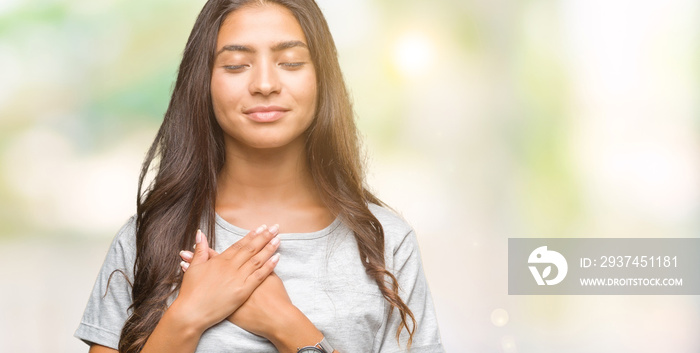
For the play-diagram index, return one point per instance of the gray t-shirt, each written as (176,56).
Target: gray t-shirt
(324,278)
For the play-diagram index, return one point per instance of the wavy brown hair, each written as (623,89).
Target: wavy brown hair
(188,154)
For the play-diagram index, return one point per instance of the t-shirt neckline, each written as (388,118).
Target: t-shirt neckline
(235,230)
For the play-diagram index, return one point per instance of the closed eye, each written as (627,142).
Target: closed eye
(235,67)
(293,65)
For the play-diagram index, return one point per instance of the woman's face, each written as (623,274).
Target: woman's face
(263,84)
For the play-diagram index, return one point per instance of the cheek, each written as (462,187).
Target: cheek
(217,95)
(223,92)
(309,92)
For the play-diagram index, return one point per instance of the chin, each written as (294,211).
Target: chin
(271,142)
(267,145)
(267,138)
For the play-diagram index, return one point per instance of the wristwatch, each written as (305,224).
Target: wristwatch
(320,347)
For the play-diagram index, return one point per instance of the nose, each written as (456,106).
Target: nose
(265,79)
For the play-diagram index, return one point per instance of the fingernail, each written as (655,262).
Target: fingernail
(186,255)
(275,240)
(260,229)
(273,230)
(198,238)
(275,258)
(184,265)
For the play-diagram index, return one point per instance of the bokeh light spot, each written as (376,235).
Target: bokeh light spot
(413,54)
(508,344)
(499,317)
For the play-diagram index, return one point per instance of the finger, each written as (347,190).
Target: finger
(259,259)
(184,266)
(241,251)
(245,240)
(188,255)
(259,275)
(201,251)
(212,253)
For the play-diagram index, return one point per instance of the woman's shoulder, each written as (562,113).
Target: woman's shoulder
(396,228)
(125,239)
(388,218)
(128,229)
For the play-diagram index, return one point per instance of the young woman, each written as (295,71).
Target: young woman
(260,131)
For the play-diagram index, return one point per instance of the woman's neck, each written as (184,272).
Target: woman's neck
(270,186)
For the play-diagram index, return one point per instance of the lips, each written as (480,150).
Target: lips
(265,114)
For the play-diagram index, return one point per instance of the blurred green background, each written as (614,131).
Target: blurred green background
(483,120)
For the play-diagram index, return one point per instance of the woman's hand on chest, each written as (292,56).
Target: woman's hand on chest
(216,285)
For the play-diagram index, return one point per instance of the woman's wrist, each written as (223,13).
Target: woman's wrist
(295,330)
(175,332)
(180,316)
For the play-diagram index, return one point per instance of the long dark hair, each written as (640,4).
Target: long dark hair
(188,154)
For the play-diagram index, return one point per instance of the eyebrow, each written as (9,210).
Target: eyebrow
(277,47)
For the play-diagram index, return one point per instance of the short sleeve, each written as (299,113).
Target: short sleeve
(108,306)
(404,261)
